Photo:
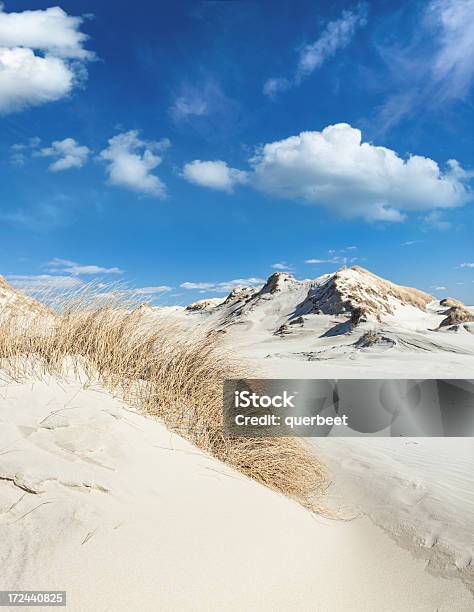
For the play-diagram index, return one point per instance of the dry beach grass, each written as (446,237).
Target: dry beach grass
(164,371)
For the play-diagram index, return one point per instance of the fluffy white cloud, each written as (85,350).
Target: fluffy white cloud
(74,268)
(27,79)
(466,265)
(41,57)
(130,161)
(50,30)
(213,174)
(335,36)
(68,154)
(335,169)
(225,286)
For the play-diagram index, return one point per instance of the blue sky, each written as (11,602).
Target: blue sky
(189,147)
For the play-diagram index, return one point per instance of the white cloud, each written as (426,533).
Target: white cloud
(41,57)
(411,242)
(453,65)
(29,80)
(336,36)
(282,265)
(189,285)
(335,169)
(339,260)
(50,30)
(74,268)
(435,68)
(32,143)
(213,174)
(439,288)
(466,265)
(130,161)
(42,282)
(225,286)
(152,290)
(68,154)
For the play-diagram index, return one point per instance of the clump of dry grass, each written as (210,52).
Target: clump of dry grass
(163,369)
(450,302)
(408,295)
(457,314)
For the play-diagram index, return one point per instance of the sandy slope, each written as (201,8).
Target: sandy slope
(14,302)
(419,489)
(106,504)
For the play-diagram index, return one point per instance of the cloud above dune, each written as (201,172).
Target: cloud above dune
(130,161)
(223,286)
(213,174)
(336,169)
(340,257)
(67,153)
(282,266)
(152,290)
(75,269)
(42,57)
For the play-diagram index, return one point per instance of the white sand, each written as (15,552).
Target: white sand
(108,505)
(419,489)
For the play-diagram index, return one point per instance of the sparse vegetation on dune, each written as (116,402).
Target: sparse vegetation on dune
(450,302)
(164,370)
(457,314)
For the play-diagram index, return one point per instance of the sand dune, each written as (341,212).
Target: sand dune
(107,504)
(319,328)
